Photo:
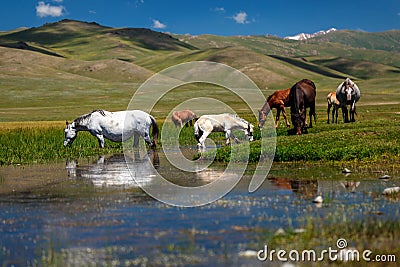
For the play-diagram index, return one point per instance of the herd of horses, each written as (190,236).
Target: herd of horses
(123,125)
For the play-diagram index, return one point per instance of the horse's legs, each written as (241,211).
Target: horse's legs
(345,114)
(278,113)
(312,113)
(329,110)
(147,139)
(136,139)
(202,139)
(352,112)
(100,138)
(227,136)
(234,137)
(334,113)
(285,117)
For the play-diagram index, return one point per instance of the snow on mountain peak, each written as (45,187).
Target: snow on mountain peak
(305,36)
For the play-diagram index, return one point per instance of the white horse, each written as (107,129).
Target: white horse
(348,93)
(115,126)
(207,124)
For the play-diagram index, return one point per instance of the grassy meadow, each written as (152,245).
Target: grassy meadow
(71,77)
(372,138)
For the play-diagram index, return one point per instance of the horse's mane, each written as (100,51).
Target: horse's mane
(238,118)
(83,119)
(309,82)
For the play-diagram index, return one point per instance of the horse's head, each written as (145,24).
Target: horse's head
(249,132)
(348,89)
(298,123)
(70,133)
(262,117)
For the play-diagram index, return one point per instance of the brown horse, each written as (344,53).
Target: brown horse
(279,100)
(302,96)
(335,104)
(180,118)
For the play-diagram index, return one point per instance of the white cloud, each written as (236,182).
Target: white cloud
(58,1)
(219,9)
(45,10)
(240,17)
(158,25)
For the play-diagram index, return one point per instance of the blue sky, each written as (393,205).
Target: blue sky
(229,17)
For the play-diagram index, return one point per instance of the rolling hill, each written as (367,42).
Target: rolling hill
(60,63)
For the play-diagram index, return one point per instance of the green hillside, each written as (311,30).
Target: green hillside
(91,41)
(382,48)
(386,41)
(70,67)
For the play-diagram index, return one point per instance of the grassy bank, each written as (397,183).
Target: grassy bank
(334,145)
(43,142)
(373,137)
(366,140)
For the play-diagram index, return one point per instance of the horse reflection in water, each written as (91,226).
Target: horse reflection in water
(305,188)
(112,171)
(311,188)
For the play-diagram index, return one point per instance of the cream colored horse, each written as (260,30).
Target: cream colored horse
(334,104)
(207,124)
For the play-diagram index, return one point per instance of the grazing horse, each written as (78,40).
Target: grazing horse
(348,93)
(279,100)
(302,96)
(334,104)
(115,126)
(180,118)
(207,124)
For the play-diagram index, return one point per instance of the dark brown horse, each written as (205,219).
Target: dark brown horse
(302,96)
(279,100)
(183,117)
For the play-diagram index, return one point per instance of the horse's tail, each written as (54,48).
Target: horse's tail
(155,131)
(197,131)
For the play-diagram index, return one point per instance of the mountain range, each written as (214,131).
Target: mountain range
(88,50)
(304,36)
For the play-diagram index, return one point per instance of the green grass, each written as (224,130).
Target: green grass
(26,145)
(372,138)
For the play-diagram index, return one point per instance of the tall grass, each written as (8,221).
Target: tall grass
(37,145)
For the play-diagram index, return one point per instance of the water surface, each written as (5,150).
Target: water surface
(92,211)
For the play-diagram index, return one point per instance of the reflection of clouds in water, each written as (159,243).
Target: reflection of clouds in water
(113,171)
